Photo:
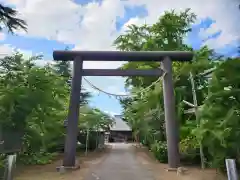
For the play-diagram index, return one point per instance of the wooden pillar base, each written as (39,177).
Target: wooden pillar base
(172,169)
(64,169)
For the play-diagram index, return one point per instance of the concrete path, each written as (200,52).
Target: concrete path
(120,164)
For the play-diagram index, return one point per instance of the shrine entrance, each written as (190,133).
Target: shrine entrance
(165,70)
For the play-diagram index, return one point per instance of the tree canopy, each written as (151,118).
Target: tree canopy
(145,113)
(34,101)
(9,20)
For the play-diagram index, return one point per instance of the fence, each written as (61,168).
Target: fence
(10,144)
(231,169)
(8,169)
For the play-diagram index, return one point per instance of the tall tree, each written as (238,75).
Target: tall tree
(33,101)
(9,20)
(63,68)
(219,128)
(167,34)
(145,112)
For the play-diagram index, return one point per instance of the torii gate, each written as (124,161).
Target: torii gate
(165,57)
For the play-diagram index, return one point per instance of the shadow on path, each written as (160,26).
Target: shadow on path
(120,164)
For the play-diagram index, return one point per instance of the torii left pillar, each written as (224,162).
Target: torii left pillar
(73,116)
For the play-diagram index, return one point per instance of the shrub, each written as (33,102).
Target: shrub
(159,149)
(91,140)
(189,149)
(39,158)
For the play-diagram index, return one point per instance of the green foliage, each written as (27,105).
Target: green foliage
(34,101)
(9,20)
(94,119)
(2,160)
(218,130)
(167,34)
(63,68)
(92,141)
(145,112)
(39,158)
(159,149)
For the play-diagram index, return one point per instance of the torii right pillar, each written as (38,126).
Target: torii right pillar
(171,124)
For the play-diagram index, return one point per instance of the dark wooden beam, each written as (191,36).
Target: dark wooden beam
(123,55)
(171,123)
(73,115)
(121,72)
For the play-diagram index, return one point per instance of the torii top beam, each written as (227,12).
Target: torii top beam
(123,55)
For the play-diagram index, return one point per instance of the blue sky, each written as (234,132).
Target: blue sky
(96,31)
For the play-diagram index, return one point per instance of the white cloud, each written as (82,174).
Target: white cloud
(2,36)
(116,90)
(112,114)
(88,27)
(107,84)
(5,50)
(223,39)
(8,50)
(101,65)
(225,13)
(92,27)
(42,62)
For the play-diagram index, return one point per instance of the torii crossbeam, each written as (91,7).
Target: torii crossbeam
(165,57)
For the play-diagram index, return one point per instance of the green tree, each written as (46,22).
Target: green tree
(94,118)
(63,68)
(167,34)
(219,128)
(145,111)
(93,121)
(9,20)
(33,101)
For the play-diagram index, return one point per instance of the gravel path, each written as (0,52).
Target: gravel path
(120,164)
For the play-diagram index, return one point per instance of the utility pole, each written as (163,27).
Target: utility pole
(87,137)
(196,108)
(197,118)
